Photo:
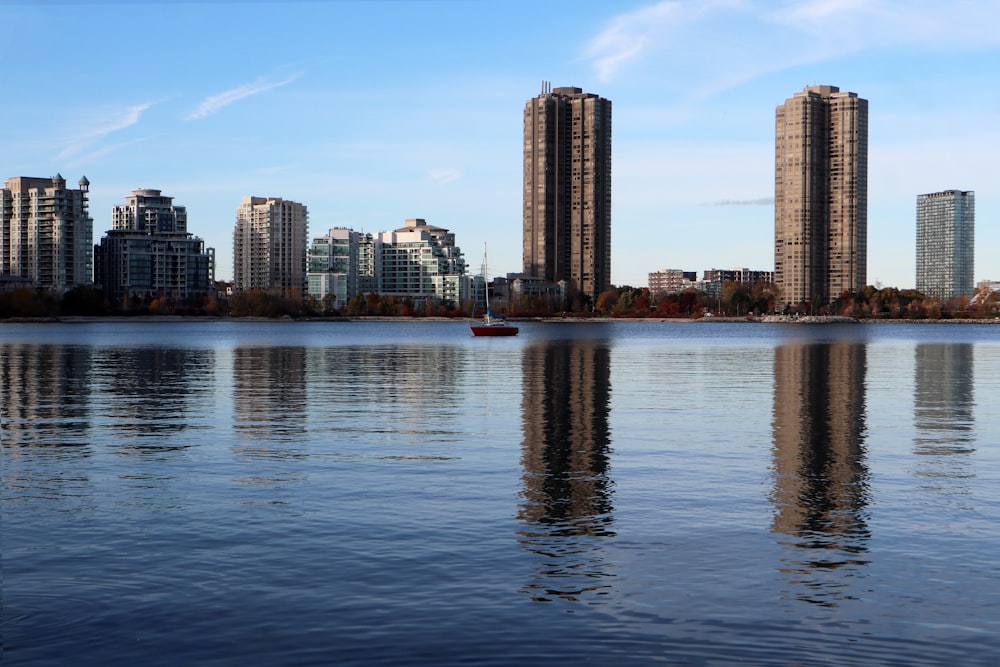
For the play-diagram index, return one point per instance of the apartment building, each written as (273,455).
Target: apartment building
(567,189)
(946,226)
(269,246)
(150,251)
(46,233)
(820,195)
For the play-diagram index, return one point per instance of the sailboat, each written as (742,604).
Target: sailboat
(492,325)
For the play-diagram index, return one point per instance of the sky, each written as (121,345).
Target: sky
(370,113)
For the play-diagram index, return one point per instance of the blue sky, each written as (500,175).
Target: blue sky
(373,112)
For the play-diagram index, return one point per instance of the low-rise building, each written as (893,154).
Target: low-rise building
(334,266)
(421,261)
(671,281)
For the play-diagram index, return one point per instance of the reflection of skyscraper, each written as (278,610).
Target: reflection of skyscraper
(45,392)
(269,392)
(820,488)
(942,412)
(152,391)
(567,495)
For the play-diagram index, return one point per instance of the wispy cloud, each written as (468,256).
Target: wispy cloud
(711,46)
(443,176)
(761,201)
(215,103)
(112,122)
(629,35)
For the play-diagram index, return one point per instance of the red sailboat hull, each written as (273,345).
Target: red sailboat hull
(493,330)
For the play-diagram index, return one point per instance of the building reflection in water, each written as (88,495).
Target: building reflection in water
(414,387)
(566,500)
(46,392)
(149,394)
(943,415)
(45,415)
(269,401)
(821,486)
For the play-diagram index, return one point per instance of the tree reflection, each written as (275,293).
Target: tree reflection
(567,493)
(942,413)
(820,477)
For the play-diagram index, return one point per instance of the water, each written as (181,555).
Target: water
(230,493)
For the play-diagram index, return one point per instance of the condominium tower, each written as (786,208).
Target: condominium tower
(820,195)
(150,251)
(46,233)
(946,243)
(269,246)
(567,189)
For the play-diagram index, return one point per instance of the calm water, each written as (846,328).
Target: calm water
(232,493)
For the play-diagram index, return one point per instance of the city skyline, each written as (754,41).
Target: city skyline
(374,114)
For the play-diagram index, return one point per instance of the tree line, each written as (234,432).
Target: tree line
(735,300)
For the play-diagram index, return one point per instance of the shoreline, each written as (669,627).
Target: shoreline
(765,319)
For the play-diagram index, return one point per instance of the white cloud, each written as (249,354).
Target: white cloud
(628,34)
(214,103)
(760,201)
(115,121)
(712,46)
(648,28)
(443,176)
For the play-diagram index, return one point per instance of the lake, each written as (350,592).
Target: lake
(401,493)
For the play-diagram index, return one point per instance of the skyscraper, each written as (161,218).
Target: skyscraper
(269,246)
(150,251)
(820,195)
(46,233)
(946,224)
(567,189)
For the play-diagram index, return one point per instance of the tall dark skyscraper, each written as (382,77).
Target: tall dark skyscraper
(820,195)
(567,189)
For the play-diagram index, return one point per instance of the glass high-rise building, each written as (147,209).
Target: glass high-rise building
(946,224)
(820,195)
(567,189)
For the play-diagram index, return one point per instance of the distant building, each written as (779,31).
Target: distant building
(269,246)
(522,290)
(334,265)
(420,261)
(46,233)
(567,189)
(946,223)
(820,195)
(671,281)
(741,275)
(149,251)
(712,279)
